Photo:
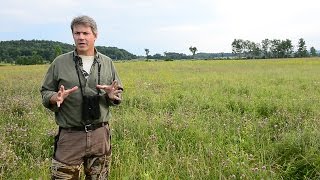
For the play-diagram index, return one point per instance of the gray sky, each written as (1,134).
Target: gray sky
(165,25)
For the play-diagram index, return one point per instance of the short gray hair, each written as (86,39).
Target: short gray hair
(85,20)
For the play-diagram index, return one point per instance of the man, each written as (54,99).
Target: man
(79,87)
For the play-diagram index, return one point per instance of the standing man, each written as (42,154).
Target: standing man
(79,87)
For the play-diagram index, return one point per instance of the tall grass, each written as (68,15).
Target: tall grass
(255,119)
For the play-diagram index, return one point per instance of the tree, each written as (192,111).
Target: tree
(265,48)
(302,49)
(245,48)
(157,56)
(147,53)
(57,50)
(285,48)
(275,48)
(251,49)
(193,50)
(237,47)
(313,51)
(256,50)
(174,55)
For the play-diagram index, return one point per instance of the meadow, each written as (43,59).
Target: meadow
(204,119)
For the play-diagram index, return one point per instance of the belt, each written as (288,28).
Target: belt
(86,128)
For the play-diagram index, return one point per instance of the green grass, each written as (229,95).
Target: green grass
(248,119)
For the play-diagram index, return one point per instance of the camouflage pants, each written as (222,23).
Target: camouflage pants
(95,168)
(77,149)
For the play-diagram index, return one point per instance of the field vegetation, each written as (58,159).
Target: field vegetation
(231,119)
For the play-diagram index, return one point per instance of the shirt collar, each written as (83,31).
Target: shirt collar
(96,55)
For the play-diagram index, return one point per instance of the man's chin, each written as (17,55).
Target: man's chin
(82,46)
(82,49)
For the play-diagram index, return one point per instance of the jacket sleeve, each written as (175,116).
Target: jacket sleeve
(49,88)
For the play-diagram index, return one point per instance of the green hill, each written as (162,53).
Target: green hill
(42,51)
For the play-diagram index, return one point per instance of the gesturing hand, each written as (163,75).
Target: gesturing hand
(112,90)
(62,94)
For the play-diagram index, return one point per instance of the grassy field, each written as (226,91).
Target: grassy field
(255,119)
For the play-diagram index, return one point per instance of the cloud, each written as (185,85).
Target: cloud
(165,25)
(36,11)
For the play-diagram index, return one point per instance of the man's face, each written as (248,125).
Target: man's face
(84,39)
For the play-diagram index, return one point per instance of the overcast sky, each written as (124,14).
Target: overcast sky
(165,25)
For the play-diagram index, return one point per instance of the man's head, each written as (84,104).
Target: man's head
(85,32)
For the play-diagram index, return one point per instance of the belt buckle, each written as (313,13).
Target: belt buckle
(86,128)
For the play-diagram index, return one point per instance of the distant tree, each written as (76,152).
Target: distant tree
(29,60)
(245,48)
(285,49)
(193,50)
(302,49)
(157,56)
(115,53)
(237,47)
(147,53)
(313,51)
(265,48)
(288,48)
(222,55)
(274,48)
(174,55)
(250,49)
(57,50)
(256,50)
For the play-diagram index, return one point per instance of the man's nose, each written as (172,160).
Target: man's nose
(81,35)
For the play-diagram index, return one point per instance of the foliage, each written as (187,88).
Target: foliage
(256,119)
(237,47)
(313,51)
(275,48)
(302,49)
(115,53)
(181,56)
(193,50)
(174,55)
(40,51)
(147,53)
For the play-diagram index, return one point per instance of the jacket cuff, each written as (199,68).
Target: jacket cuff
(46,102)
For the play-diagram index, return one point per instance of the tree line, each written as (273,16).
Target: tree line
(182,56)
(245,49)
(26,52)
(268,48)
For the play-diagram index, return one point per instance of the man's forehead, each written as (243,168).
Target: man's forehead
(82,26)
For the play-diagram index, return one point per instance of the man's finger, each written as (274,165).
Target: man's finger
(100,86)
(59,95)
(61,88)
(59,98)
(105,87)
(117,91)
(114,83)
(72,89)
(117,98)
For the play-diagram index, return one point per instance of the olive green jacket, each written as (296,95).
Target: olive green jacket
(62,71)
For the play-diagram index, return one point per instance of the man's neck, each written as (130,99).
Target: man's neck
(86,53)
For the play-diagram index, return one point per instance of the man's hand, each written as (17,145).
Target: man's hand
(59,97)
(112,90)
